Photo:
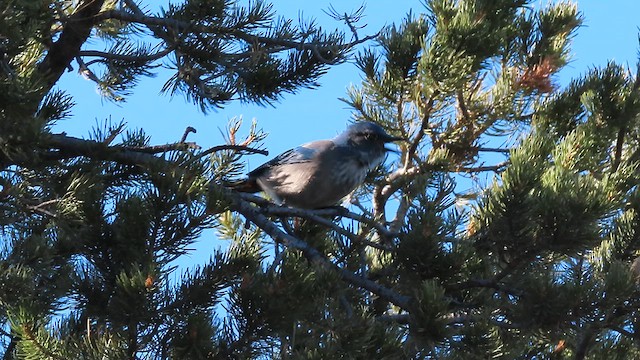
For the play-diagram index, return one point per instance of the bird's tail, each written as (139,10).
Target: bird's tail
(245,185)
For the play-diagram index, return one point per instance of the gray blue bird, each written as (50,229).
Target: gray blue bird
(321,173)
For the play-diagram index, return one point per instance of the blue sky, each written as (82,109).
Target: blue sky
(610,32)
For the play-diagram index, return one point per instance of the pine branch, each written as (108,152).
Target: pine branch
(69,146)
(153,22)
(314,256)
(61,146)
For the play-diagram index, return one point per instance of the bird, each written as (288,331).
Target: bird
(319,174)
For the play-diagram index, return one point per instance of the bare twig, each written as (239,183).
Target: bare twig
(187,131)
(348,19)
(39,209)
(623,128)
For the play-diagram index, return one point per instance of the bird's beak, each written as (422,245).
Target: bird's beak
(390,138)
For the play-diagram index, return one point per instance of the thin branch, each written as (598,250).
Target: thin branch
(422,131)
(394,182)
(462,105)
(239,148)
(156,30)
(490,149)
(113,133)
(348,19)
(623,129)
(311,214)
(495,168)
(401,216)
(123,57)
(278,210)
(278,256)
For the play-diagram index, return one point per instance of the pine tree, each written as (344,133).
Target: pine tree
(429,262)
(91,227)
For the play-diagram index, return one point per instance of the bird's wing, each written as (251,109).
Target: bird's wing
(301,154)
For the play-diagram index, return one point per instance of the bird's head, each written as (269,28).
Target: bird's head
(366,135)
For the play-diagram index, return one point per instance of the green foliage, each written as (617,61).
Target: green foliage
(442,260)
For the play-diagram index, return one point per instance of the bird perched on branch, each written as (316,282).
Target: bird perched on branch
(320,173)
